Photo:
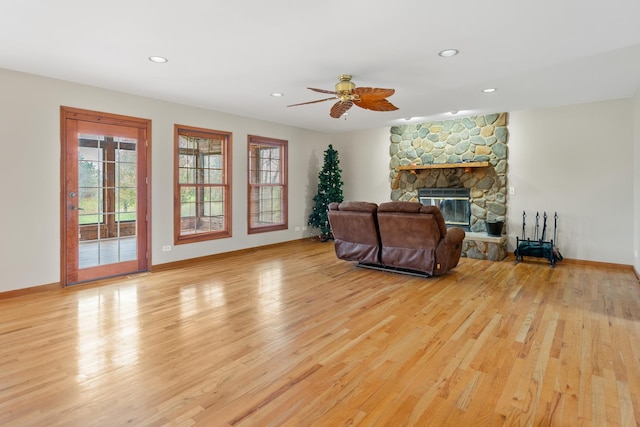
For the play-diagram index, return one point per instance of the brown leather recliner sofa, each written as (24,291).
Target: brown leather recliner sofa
(405,237)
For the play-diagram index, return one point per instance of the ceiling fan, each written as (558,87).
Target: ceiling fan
(347,94)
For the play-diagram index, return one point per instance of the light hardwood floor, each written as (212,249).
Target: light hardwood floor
(289,335)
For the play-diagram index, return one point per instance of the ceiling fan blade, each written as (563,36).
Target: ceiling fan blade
(373,92)
(339,108)
(322,90)
(312,102)
(375,104)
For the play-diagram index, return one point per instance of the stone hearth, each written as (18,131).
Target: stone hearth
(483,246)
(457,141)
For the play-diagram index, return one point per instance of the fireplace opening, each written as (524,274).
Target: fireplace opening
(454,203)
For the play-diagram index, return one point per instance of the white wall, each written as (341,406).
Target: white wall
(575,160)
(636,181)
(364,160)
(30,140)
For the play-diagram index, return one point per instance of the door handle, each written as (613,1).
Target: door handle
(75,208)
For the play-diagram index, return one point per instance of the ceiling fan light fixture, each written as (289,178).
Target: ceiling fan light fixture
(446,53)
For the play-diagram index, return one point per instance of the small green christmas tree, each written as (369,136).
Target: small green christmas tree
(329,190)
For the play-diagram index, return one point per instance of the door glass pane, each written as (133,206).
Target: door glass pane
(106,200)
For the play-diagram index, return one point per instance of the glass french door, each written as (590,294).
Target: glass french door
(104,199)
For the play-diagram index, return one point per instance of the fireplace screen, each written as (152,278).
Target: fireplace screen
(454,203)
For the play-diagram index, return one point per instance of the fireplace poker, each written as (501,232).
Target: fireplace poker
(544,228)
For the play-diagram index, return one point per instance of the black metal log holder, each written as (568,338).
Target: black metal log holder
(539,247)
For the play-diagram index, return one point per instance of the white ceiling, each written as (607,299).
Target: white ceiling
(231,55)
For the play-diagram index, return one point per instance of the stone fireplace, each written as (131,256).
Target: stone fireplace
(464,153)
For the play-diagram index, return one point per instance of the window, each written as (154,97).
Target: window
(267,184)
(202,195)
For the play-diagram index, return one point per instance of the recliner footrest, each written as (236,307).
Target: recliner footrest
(393,269)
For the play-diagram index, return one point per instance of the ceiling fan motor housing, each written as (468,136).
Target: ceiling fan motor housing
(369,98)
(345,85)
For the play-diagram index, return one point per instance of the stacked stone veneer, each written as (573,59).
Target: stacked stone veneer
(467,139)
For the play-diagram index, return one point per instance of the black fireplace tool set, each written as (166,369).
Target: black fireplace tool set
(539,247)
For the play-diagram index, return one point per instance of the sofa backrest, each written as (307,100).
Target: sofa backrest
(355,231)
(410,234)
(414,207)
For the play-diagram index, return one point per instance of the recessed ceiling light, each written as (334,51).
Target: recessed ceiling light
(158,59)
(489,90)
(277,94)
(448,52)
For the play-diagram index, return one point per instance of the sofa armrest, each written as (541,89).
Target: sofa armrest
(449,250)
(454,235)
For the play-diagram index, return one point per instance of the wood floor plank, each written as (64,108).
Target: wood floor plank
(288,335)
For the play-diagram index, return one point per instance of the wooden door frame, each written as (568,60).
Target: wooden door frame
(66,113)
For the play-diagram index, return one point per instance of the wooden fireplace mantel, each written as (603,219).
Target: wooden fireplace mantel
(467,166)
(464,165)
